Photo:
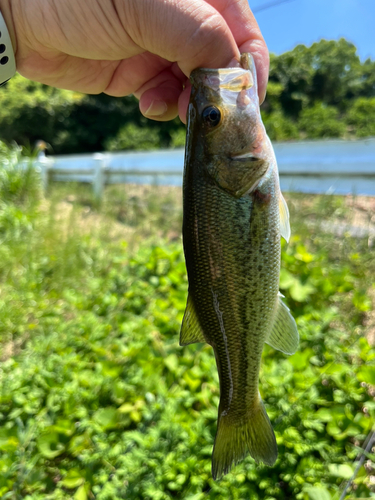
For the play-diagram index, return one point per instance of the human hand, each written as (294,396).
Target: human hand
(143,47)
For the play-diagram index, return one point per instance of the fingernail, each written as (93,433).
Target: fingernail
(156,108)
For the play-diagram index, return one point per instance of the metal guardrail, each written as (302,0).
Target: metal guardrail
(330,166)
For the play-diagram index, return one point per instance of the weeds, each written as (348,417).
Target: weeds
(97,399)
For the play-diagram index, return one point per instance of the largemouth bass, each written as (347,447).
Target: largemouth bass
(234,215)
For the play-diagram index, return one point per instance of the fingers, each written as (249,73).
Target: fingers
(208,33)
(144,47)
(189,32)
(158,98)
(259,51)
(160,103)
(183,102)
(247,35)
(136,73)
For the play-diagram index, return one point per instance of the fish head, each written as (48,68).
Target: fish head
(224,116)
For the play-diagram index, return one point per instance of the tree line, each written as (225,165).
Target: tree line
(314,92)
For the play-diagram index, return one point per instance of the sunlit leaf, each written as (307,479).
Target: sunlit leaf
(107,418)
(73,479)
(367,374)
(81,493)
(300,292)
(50,445)
(342,470)
(318,493)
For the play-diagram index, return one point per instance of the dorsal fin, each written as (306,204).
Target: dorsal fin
(191,330)
(284,218)
(284,334)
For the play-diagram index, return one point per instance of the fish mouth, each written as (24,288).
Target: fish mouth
(246,156)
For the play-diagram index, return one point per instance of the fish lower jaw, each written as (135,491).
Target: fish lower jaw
(246,156)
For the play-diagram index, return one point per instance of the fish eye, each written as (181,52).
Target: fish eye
(211,116)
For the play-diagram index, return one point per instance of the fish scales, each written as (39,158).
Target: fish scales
(231,232)
(233,272)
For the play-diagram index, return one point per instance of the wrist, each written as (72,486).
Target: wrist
(7,42)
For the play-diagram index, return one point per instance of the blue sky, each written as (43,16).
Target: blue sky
(307,21)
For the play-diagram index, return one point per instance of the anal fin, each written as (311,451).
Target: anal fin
(191,330)
(284,334)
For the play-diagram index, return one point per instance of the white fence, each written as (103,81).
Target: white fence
(330,166)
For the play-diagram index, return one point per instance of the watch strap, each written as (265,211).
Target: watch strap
(7,59)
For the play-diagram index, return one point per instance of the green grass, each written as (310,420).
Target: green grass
(97,399)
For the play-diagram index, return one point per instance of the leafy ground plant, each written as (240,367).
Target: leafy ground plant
(97,399)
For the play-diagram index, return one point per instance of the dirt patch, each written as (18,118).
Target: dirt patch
(363,215)
(70,215)
(12,348)
(126,214)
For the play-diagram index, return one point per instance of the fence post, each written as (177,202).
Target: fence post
(98,181)
(43,166)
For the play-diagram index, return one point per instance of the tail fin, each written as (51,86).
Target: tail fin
(234,438)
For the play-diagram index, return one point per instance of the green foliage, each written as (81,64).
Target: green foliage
(91,121)
(132,136)
(30,111)
(98,400)
(71,122)
(20,191)
(311,89)
(361,116)
(321,121)
(19,181)
(328,72)
(178,138)
(279,128)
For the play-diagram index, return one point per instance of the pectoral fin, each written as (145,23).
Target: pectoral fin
(191,330)
(284,335)
(284,218)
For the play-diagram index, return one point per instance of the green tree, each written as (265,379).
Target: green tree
(337,71)
(328,71)
(361,116)
(294,73)
(279,127)
(30,111)
(132,136)
(321,121)
(367,77)
(324,77)
(71,122)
